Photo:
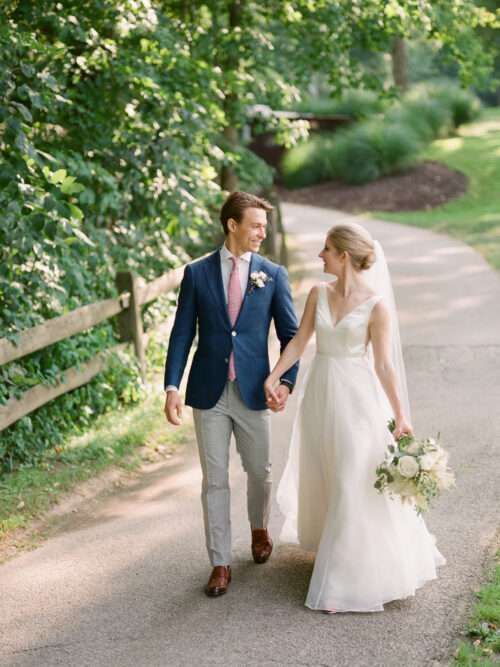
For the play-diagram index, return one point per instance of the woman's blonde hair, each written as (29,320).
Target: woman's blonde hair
(356,241)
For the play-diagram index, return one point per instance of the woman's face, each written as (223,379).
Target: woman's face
(333,261)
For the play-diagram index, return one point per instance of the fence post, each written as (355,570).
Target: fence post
(130,320)
(275,244)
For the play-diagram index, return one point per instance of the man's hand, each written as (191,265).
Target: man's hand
(173,408)
(276,398)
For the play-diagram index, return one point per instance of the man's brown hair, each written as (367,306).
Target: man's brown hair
(235,206)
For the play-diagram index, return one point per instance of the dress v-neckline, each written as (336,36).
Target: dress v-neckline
(330,318)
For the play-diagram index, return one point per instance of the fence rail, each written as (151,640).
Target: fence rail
(134,292)
(59,328)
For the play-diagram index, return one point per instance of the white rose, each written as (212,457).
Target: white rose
(427,461)
(408,466)
(260,282)
(254,275)
(413,448)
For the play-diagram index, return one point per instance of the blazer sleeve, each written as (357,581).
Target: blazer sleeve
(285,320)
(183,331)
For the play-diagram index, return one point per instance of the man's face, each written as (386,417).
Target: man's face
(248,234)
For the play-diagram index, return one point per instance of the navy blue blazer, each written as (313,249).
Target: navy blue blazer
(202,305)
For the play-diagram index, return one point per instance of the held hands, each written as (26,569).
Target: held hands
(173,408)
(403,427)
(276,398)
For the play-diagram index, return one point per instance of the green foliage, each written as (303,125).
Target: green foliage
(463,105)
(475,217)
(381,145)
(106,131)
(354,156)
(308,162)
(483,648)
(27,439)
(358,104)
(428,119)
(253,174)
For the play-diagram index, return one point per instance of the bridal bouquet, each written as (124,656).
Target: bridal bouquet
(415,470)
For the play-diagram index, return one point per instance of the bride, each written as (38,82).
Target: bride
(370,549)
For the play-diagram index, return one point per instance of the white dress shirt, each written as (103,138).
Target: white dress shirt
(226,266)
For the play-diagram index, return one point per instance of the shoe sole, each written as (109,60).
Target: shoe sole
(260,560)
(216,593)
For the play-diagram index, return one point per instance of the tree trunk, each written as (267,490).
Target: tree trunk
(400,63)
(228,179)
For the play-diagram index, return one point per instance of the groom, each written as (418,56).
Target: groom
(230,298)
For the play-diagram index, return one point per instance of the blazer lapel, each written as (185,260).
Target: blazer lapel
(255,263)
(215,284)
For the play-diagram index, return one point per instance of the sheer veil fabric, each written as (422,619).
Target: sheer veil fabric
(379,279)
(369,549)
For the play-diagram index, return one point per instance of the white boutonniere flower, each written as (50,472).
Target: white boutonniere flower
(258,279)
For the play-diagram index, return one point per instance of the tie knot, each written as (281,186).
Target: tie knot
(234,261)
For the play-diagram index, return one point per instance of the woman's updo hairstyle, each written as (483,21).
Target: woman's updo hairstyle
(356,241)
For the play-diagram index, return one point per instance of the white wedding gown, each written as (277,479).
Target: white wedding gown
(370,549)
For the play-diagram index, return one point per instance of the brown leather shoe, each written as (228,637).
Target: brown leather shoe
(219,581)
(262,545)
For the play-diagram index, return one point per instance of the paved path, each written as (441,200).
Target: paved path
(122,584)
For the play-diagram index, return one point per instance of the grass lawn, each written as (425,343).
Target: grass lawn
(483,647)
(475,217)
(124,438)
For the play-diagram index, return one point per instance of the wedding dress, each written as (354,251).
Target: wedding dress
(370,549)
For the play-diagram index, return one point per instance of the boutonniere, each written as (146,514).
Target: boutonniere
(258,279)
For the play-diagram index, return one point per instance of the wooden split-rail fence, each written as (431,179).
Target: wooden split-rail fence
(134,293)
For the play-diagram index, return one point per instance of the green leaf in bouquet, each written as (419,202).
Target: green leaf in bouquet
(405,441)
(391,425)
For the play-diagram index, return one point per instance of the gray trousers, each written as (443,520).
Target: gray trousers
(251,430)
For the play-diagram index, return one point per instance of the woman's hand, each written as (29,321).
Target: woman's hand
(272,399)
(403,427)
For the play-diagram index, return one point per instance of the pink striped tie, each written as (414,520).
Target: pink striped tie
(234,300)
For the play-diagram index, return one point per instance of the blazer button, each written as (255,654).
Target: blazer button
(233,333)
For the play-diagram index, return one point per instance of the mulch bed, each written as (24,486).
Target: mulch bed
(424,186)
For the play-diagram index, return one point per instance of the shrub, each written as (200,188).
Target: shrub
(427,118)
(370,150)
(354,157)
(462,105)
(357,104)
(308,162)
(395,144)
(357,155)
(381,145)
(26,440)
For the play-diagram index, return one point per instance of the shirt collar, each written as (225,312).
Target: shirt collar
(227,254)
